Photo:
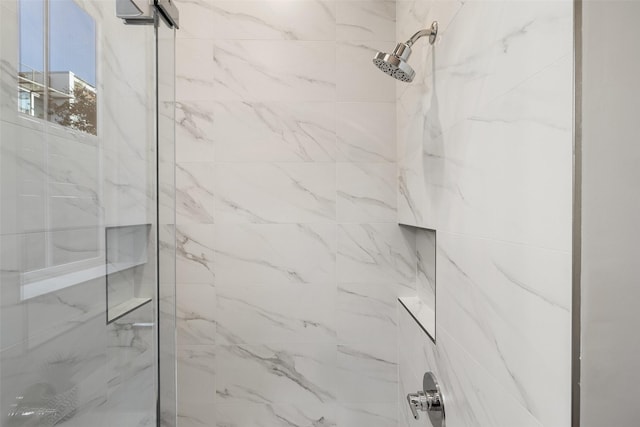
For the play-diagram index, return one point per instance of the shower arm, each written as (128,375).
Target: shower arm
(431,32)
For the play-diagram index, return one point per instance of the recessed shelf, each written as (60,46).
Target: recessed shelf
(126,307)
(424,315)
(422,304)
(129,274)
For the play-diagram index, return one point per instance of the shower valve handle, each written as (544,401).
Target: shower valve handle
(428,400)
(417,402)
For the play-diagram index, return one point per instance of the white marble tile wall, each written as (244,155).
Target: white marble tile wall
(289,250)
(485,158)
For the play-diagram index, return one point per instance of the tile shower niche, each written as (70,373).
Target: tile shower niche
(422,305)
(130,275)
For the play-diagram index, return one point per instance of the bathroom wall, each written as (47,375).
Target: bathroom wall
(610,211)
(485,159)
(290,258)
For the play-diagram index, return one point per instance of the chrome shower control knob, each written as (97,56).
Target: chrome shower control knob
(429,400)
(417,402)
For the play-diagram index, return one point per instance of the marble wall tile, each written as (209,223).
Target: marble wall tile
(365,20)
(9,62)
(532,36)
(197,386)
(285,373)
(74,245)
(366,192)
(463,169)
(196,317)
(368,414)
(274,70)
(365,377)
(413,15)
(194,253)
(275,131)
(13,329)
(239,413)
(275,192)
(366,131)
(65,307)
(198,16)
(357,79)
(366,307)
(375,253)
(512,315)
(472,396)
(130,365)
(194,130)
(268,20)
(276,313)
(275,253)
(426,267)
(194,81)
(194,197)
(71,360)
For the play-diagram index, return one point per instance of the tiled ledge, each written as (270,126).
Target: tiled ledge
(422,314)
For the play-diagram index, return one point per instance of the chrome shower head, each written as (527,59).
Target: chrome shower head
(395,64)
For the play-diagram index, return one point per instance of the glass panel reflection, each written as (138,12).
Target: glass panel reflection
(68,49)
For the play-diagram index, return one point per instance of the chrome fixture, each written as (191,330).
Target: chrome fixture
(141,12)
(429,400)
(395,64)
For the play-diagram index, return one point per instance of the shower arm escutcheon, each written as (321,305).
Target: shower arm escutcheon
(429,400)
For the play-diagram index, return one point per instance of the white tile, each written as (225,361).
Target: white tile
(275,192)
(286,373)
(273,70)
(365,377)
(366,307)
(194,253)
(195,127)
(194,193)
(274,131)
(366,131)
(368,414)
(413,15)
(196,386)
(532,36)
(272,20)
(366,192)
(275,253)
(196,17)
(426,268)
(357,79)
(483,177)
(366,20)
(509,306)
(261,412)
(375,253)
(276,313)
(195,68)
(472,397)
(196,314)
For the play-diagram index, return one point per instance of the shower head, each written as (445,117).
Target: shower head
(395,64)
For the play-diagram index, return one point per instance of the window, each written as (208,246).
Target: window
(57,75)
(58,187)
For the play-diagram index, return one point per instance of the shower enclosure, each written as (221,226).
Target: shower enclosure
(87,241)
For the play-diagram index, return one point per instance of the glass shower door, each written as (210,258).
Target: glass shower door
(80,224)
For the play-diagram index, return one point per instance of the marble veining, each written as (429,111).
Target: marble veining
(275,131)
(292,373)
